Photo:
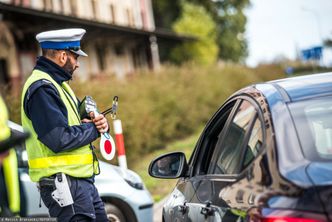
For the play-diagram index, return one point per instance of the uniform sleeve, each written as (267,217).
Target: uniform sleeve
(48,114)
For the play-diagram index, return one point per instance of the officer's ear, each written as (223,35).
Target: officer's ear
(62,58)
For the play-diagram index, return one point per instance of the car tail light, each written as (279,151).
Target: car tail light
(281,215)
(288,219)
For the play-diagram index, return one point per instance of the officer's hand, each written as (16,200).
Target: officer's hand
(101,123)
(85,120)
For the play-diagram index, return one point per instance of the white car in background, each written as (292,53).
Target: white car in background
(123,192)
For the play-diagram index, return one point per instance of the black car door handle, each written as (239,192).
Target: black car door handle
(208,210)
(183,208)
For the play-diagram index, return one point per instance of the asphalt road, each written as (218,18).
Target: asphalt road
(157,210)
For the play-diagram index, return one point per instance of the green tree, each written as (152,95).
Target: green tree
(231,41)
(166,12)
(228,16)
(196,21)
(231,21)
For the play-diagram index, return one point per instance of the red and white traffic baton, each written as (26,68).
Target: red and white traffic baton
(120,143)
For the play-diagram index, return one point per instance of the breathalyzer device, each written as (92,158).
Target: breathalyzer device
(107,145)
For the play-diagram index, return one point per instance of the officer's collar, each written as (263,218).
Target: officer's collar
(54,70)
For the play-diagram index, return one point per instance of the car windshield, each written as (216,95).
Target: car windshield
(313,122)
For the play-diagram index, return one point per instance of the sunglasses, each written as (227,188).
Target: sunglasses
(74,48)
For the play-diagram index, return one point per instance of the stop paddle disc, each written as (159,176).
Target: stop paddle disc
(107,146)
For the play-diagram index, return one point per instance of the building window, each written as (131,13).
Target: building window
(4,79)
(62,6)
(73,7)
(130,17)
(48,5)
(118,50)
(94,8)
(112,8)
(101,54)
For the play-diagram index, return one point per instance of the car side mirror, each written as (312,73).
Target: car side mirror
(169,166)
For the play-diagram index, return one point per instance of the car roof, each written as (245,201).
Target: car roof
(303,87)
(278,94)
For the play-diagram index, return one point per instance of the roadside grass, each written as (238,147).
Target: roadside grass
(160,108)
(160,188)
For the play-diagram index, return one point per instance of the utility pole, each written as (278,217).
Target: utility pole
(317,19)
(320,37)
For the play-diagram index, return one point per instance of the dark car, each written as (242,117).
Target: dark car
(265,155)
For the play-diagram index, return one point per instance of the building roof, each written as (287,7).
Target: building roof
(28,16)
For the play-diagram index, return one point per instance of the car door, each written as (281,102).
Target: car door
(182,203)
(231,142)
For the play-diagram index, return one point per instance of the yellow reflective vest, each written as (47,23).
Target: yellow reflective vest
(43,162)
(11,178)
(4,129)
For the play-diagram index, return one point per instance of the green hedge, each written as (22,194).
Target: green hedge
(156,108)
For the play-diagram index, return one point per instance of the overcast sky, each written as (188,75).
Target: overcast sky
(278,27)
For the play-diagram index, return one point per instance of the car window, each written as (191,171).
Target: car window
(208,140)
(228,151)
(254,144)
(313,122)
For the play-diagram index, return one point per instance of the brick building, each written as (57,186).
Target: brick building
(121,35)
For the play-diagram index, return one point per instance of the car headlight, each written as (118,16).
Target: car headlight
(131,178)
(136,185)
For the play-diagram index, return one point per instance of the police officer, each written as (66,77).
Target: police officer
(11,192)
(60,154)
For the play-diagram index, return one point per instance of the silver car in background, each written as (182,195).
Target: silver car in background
(123,192)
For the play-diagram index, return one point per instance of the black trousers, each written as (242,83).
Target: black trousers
(87,206)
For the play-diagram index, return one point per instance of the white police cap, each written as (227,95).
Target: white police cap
(68,39)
